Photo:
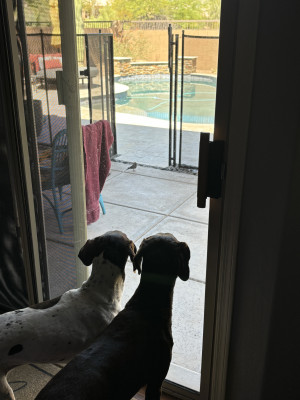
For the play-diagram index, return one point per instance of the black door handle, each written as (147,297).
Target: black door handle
(211,169)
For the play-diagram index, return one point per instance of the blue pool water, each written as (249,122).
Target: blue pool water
(149,96)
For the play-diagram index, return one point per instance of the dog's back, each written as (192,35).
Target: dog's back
(119,363)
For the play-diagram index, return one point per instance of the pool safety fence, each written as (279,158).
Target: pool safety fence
(177,70)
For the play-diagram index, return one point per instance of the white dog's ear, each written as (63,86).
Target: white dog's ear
(90,250)
(131,250)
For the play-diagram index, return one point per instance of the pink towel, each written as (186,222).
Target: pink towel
(97,140)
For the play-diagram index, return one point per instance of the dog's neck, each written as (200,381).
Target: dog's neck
(158,279)
(106,280)
(154,295)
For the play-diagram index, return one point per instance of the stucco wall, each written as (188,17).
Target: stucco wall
(154,45)
(206,50)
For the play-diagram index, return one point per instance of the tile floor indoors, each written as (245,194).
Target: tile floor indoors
(28,380)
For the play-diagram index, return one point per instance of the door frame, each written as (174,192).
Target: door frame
(238,30)
(76,160)
(238,36)
(25,203)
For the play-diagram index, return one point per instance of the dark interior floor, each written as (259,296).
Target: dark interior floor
(28,380)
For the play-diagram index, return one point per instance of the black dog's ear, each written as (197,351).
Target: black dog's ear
(90,250)
(137,263)
(138,258)
(184,256)
(131,250)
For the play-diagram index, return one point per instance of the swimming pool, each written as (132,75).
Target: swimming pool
(149,96)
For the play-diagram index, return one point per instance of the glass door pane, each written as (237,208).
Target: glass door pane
(52,136)
(152,196)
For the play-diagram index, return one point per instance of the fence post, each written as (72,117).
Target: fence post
(181,98)
(87,53)
(175,100)
(170,63)
(112,93)
(46,86)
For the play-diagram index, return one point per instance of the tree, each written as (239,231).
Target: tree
(212,9)
(89,7)
(130,10)
(183,9)
(37,11)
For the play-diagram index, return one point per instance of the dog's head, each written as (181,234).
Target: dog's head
(115,246)
(165,255)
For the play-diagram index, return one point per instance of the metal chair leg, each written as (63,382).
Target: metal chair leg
(102,204)
(58,214)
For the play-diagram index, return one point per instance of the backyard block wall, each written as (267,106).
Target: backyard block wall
(206,50)
(124,66)
(154,46)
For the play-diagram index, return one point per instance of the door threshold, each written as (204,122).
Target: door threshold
(184,377)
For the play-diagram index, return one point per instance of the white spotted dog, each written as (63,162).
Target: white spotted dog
(58,329)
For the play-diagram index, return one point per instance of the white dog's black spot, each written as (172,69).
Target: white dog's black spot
(15,349)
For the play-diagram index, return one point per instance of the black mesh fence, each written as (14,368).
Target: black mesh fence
(197,96)
(97,94)
(95,75)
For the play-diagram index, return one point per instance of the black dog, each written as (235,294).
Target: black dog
(136,348)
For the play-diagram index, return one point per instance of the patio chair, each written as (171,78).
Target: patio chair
(56,175)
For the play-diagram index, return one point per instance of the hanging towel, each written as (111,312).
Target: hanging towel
(97,140)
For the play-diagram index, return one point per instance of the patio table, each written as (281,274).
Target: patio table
(51,74)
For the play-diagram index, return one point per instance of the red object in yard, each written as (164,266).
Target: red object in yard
(51,61)
(97,140)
